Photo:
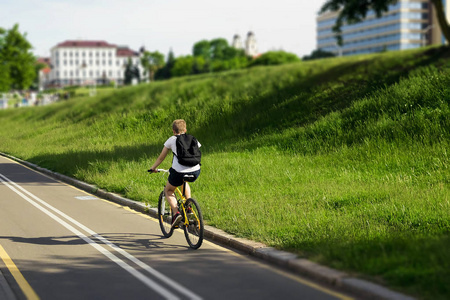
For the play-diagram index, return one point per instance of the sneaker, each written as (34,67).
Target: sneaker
(176,219)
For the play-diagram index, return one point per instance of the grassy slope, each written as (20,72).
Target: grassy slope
(343,161)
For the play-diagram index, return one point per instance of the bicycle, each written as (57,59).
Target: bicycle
(192,218)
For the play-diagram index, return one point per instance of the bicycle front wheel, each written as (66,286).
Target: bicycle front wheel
(165,216)
(193,228)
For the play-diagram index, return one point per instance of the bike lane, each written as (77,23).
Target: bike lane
(57,262)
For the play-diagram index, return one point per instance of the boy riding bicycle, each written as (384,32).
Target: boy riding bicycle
(178,170)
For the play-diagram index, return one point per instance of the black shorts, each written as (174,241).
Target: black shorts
(176,178)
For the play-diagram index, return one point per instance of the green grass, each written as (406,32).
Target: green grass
(344,161)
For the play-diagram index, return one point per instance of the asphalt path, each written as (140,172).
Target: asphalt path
(58,242)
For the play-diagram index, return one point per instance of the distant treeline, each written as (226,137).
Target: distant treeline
(214,56)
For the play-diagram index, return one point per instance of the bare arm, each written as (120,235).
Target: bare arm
(160,158)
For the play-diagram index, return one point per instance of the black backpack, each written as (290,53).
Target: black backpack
(188,153)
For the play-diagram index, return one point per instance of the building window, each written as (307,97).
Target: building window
(109,54)
(103,62)
(110,73)
(97,54)
(97,73)
(57,73)
(97,62)
(103,54)
(70,53)
(71,73)
(57,62)
(65,62)
(83,54)
(90,73)
(90,62)
(64,53)
(65,73)
(90,54)
(57,53)
(71,62)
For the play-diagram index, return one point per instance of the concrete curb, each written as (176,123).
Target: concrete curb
(289,261)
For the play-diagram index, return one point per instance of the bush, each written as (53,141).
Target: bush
(274,58)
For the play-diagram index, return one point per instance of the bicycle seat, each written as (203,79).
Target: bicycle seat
(188,178)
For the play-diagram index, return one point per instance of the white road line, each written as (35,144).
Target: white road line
(150,283)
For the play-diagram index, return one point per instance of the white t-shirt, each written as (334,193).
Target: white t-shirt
(171,144)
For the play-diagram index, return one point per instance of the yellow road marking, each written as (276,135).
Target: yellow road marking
(21,281)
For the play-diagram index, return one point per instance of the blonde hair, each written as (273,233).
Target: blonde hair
(179,126)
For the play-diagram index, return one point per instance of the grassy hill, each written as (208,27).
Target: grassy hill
(344,161)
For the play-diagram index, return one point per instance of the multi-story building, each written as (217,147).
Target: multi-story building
(90,62)
(407,24)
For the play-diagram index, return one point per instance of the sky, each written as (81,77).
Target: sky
(162,25)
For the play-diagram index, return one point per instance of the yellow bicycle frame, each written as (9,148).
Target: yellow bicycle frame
(182,202)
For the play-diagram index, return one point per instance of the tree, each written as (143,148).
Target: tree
(274,58)
(165,72)
(5,79)
(216,49)
(17,63)
(353,11)
(219,49)
(131,72)
(202,48)
(217,55)
(199,65)
(183,66)
(152,62)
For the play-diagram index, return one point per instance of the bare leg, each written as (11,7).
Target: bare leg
(187,192)
(169,191)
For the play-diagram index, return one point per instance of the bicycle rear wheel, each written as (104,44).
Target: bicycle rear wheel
(165,216)
(194,230)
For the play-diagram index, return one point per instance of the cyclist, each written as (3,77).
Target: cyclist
(177,171)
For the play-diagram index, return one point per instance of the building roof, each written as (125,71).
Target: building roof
(44,60)
(86,44)
(125,51)
(122,51)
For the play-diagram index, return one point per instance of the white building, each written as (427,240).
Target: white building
(89,62)
(251,46)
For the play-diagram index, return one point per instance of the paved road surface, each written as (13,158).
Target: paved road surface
(57,242)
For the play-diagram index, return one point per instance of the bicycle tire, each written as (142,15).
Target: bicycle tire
(194,231)
(165,216)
